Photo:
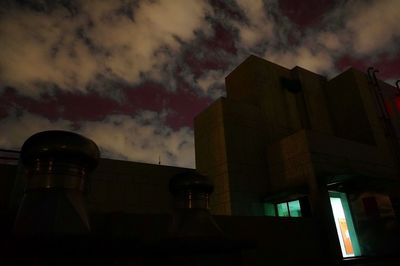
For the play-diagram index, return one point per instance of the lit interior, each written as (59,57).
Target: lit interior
(294,208)
(344,225)
(284,209)
(269,209)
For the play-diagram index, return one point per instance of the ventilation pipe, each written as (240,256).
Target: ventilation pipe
(56,164)
(192,218)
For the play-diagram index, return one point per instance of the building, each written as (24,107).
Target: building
(305,167)
(292,143)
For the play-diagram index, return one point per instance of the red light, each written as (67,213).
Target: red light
(388,108)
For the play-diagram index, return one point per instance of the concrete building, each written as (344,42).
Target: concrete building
(285,139)
(306,168)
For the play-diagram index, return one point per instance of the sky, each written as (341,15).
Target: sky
(132,75)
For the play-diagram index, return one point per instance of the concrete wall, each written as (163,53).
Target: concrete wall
(349,117)
(261,83)
(356,114)
(130,187)
(230,141)
(211,155)
(378,230)
(245,147)
(290,160)
(114,186)
(258,82)
(314,97)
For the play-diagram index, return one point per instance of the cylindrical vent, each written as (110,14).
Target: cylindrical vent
(191,190)
(56,164)
(191,218)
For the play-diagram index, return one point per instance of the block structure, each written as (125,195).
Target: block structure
(276,126)
(281,135)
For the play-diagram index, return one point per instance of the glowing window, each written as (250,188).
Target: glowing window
(283,209)
(344,224)
(294,208)
(269,209)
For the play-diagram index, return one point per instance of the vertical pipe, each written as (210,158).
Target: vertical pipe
(369,74)
(380,95)
(388,126)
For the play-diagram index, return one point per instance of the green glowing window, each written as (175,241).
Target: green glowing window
(294,208)
(269,209)
(283,209)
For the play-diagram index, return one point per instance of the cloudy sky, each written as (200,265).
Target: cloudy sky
(132,74)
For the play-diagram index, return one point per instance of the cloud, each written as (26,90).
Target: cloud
(365,29)
(145,44)
(266,32)
(318,60)
(329,41)
(259,26)
(20,125)
(70,48)
(360,28)
(141,138)
(373,25)
(37,48)
(69,51)
(212,82)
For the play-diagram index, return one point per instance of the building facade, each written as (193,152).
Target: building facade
(291,143)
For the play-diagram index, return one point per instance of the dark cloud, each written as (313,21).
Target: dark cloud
(305,13)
